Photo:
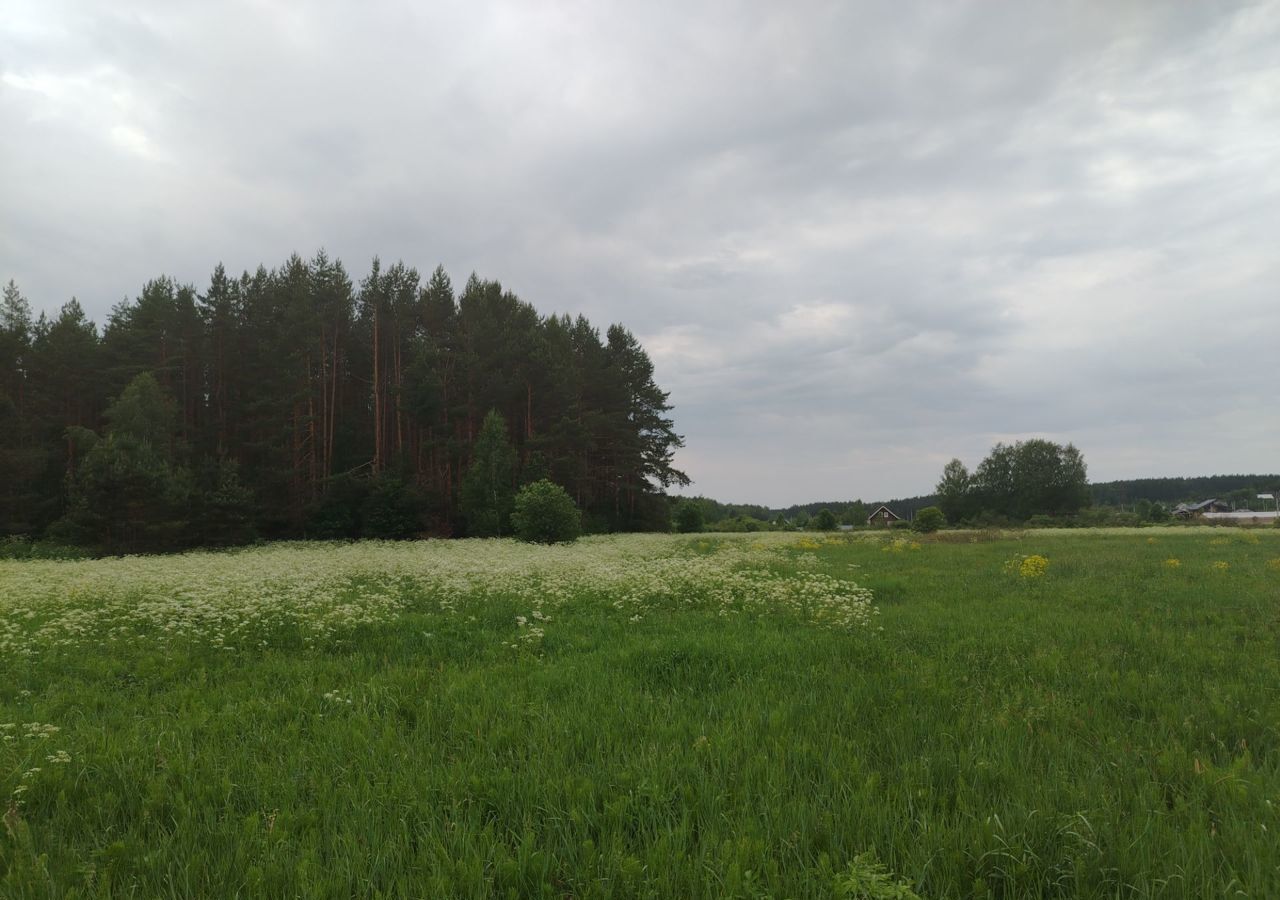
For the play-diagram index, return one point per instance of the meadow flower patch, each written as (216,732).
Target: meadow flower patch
(315,594)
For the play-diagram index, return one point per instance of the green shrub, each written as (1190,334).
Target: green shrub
(391,511)
(867,879)
(825,520)
(928,520)
(226,509)
(688,517)
(53,550)
(336,516)
(19,546)
(737,525)
(15,546)
(331,519)
(545,514)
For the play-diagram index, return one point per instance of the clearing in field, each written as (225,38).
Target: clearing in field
(1027,715)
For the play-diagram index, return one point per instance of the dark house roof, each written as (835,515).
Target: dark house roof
(1211,505)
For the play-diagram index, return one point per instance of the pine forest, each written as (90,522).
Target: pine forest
(295,402)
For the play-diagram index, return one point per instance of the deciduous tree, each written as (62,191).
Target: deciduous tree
(488,488)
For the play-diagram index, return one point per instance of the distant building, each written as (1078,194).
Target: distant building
(1243,517)
(1204,507)
(882,516)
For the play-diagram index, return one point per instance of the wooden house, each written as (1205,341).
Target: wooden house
(883,517)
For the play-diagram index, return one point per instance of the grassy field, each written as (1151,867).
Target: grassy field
(1055,714)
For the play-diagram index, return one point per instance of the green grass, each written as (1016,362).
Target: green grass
(1111,729)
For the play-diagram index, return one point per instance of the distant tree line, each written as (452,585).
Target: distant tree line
(1128,502)
(1015,483)
(1235,489)
(295,403)
(855,512)
(1034,482)
(718,516)
(711,511)
(703,513)
(846,512)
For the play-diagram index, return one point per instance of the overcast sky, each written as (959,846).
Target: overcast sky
(857,239)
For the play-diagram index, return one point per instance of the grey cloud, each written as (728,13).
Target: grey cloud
(857,239)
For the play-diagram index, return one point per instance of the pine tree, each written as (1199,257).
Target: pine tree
(20,454)
(67,390)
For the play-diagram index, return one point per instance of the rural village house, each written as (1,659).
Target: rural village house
(883,517)
(1185,510)
(1218,511)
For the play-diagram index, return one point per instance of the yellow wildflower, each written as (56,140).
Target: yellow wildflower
(1033,566)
